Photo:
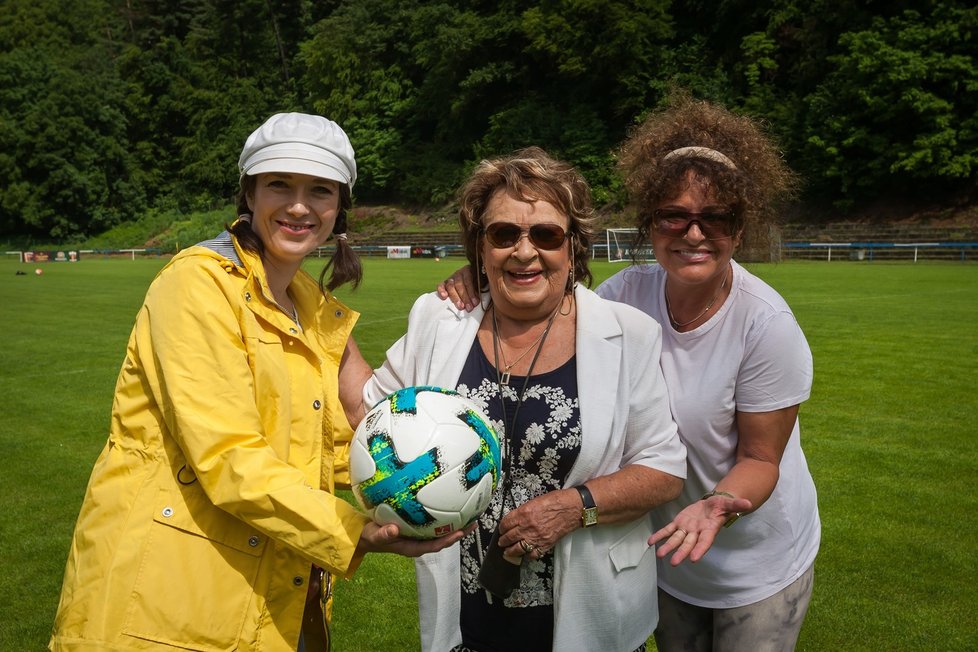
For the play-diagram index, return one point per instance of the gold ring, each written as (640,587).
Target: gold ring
(527,547)
(679,529)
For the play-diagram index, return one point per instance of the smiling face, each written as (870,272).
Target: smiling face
(526,282)
(293,214)
(692,259)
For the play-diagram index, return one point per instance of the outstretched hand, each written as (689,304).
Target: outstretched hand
(693,530)
(460,289)
(387,538)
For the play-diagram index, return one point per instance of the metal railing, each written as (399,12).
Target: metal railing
(879,250)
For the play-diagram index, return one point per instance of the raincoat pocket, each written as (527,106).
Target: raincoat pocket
(195,581)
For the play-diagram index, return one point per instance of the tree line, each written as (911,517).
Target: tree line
(112,108)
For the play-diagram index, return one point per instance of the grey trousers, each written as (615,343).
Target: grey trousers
(771,625)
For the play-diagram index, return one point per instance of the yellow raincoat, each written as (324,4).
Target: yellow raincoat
(213,495)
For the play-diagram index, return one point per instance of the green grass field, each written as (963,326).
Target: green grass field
(889,433)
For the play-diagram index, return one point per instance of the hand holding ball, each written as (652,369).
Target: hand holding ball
(425,459)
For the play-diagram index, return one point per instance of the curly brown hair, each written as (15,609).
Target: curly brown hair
(752,191)
(529,174)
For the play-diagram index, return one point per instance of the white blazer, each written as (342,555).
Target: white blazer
(605,579)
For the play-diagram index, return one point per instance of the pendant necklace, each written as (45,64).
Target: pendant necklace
(502,379)
(676,324)
(498,349)
(509,427)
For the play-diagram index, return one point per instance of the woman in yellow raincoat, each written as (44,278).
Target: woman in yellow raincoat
(209,522)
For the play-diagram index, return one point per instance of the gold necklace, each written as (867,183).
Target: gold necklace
(504,378)
(676,324)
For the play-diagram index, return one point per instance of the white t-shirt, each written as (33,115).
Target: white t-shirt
(750,356)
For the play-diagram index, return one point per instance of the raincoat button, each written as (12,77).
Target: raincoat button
(316,404)
(293,331)
(167,512)
(297,580)
(338,313)
(247,296)
(253,541)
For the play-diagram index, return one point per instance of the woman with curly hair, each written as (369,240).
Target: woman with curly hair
(704,182)
(737,365)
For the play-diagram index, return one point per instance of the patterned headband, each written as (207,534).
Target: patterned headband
(701,152)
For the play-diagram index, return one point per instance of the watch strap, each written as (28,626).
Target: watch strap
(733,517)
(589,515)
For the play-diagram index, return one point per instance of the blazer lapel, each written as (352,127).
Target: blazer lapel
(450,345)
(598,369)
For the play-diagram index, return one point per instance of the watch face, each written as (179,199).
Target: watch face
(590,517)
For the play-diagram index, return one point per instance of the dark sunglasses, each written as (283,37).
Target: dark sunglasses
(502,235)
(676,223)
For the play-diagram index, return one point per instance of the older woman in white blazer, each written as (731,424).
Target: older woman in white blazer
(589,444)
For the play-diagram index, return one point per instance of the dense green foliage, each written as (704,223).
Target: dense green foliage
(109,108)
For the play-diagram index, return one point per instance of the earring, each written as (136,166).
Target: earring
(478,280)
(570,276)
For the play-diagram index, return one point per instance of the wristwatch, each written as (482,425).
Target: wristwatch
(589,515)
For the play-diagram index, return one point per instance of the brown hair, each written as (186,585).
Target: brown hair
(752,190)
(528,174)
(344,263)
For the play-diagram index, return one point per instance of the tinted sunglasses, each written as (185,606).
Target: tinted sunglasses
(676,223)
(502,235)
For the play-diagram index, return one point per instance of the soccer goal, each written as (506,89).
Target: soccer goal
(622,246)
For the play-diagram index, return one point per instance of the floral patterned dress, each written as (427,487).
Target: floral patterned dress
(538,453)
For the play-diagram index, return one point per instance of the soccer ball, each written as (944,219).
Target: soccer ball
(426,459)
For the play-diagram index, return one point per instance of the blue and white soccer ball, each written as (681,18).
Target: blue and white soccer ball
(426,459)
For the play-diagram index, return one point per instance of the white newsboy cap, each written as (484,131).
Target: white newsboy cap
(301,144)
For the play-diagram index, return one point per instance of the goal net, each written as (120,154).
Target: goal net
(622,246)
